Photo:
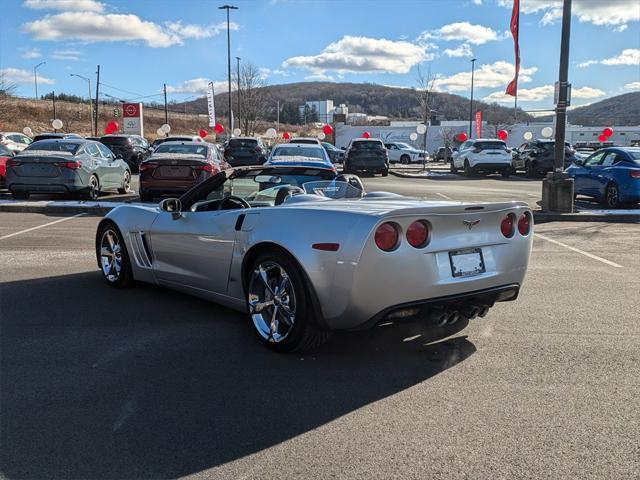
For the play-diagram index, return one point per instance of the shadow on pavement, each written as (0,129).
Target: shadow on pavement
(148,383)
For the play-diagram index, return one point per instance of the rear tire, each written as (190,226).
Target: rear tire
(93,190)
(506,173)
(405,159)
(126,183)
(20,195)
(279,304)
(468,171)
(531,169)
(385,172)
(113,257)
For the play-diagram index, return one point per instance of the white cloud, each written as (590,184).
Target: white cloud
(32,53)
(465,31)
(320,77)
(71,55)
(94,27)
(463,50)
(632,86)
(493,75)
(198,86)
(477,2)
(586,92)
(543,92)
(628,56)
(363,55)
(598,12)
(19,76)
(66,5)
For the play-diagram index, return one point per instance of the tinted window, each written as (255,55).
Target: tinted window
(304,140)
(634,155)
(373,145)
(243,143)
(595,159)
(106,153)
(491,145)
(54,146)
(108,141)
(298,151)
(199,150)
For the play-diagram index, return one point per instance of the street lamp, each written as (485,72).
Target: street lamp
(239,108)
(88,80)
(35,76)
(227,8)
(473,66)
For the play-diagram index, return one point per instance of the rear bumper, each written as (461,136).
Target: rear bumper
(46,188)
(491,166)
(244,161)
(367,166)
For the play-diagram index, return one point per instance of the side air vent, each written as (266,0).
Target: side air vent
(140,249)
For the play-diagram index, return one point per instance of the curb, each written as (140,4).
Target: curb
(544,217)
(432,174)
(100,211)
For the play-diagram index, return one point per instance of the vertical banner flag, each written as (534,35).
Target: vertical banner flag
(512,88)
(478,124)
(211,105)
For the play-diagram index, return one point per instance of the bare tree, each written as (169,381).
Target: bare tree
(7,87)
(447,138)
(253,97)
(424,92)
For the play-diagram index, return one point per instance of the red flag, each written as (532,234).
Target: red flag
(512,88)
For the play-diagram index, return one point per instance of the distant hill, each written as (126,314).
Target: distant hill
(371,99)
(621,110)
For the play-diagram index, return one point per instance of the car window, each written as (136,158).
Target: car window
(492,145)
(634,156)
(180,148)
(595,159)
(373,145)
(292,151)
(54,146)
(92,150)
(243,143)
(611,158)
(106,153)
(121,141)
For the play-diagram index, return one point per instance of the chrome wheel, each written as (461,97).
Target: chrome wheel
(94,188)
(126,184)
(111,255)
(272,301)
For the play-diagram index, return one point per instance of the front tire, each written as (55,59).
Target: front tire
(279,305)
(468,171)
(113,256)
(611,196)
(405,160)
(385,172)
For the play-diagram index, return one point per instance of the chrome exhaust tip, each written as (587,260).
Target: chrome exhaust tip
(453,317)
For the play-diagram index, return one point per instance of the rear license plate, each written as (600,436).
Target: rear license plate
(176,171)
(466,263)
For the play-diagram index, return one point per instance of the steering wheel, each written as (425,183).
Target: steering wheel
(234,202)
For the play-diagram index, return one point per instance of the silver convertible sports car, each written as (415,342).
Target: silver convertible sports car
(304,252)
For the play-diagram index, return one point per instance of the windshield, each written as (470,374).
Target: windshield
(404,146)
(332,189)
(198,150)
(280,153)
(54,146)
(373,145)
(491,145)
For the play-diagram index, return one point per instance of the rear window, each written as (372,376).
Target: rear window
(243,143)
(490,145)
(115,140)
(54,146)
(367,145)
(304,141)
(199,150)
(298,152)
(635,155)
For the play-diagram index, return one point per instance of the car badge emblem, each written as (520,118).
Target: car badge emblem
(470,223)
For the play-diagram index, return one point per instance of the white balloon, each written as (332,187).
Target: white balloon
(166,128)
(321,136)
(27,131)
(271,133)
(528,136)
(421,129)
(57,124)
(547,132)
(413,136)
(237,132)
(160,132)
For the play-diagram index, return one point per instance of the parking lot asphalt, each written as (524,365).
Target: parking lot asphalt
(148,383)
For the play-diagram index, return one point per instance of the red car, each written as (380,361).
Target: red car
(5,154)
(175,167)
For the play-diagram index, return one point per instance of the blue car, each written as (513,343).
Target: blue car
(300,155)
(610,175)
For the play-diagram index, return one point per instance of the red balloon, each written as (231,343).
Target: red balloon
(366,135)
(202,133)
(286,135)
(602,138)
(327,130)
(607,132)
(462,137)
(218,128)
(503,134)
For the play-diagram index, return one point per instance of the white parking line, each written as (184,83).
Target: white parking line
(577,250)
(41,226)
(443,196)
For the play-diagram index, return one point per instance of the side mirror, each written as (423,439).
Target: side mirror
(578,161)
(173,206)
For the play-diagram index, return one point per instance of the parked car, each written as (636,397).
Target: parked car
(611,176)
(403,153)
(239,151)
(335,154)
(537,157)
(5,155)
(306,140)
(176,138)
(439,154)
(67,166)
(54,135)
(483,155)
(14,141)
(175,167)
(300,154)
(133,149)
(95,139)
(366,155)
(320,255)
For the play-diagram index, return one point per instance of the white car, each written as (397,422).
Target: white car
(403,153)
(16,142)
(482,155)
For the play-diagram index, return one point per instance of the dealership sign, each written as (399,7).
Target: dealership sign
(211,105)
(132,118)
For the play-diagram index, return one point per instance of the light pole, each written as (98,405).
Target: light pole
(239,108)
(88,80)
(35,76)
(227,8)
(473,67)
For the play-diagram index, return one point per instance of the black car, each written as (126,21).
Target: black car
(366,155)
(133,149)
(241,151)
(56,135)
(538,156)
(335,154)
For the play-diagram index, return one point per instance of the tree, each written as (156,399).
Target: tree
(424,92)
(313,115)
(7,87)
(253,96)
(289,113)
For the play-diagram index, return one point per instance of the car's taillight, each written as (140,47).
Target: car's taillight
(507,224)
(147,166)
(204,168)
(74,165)
(387,236)
(524,224)
(13,163)
(634,173)
(418,234)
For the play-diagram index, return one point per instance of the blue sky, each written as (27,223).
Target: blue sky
(142,44)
